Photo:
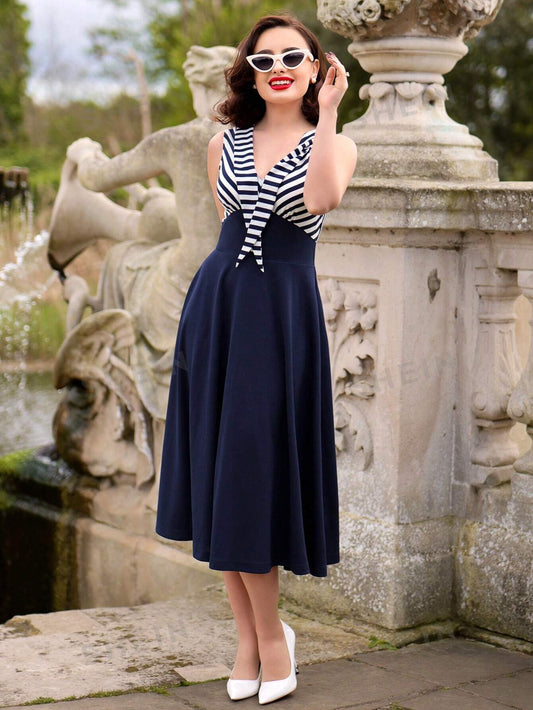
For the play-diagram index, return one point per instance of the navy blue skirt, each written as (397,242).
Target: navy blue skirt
(248,468)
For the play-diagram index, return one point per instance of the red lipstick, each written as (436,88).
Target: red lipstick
(280,83)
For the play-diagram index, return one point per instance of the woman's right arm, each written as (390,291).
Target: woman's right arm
(214,156)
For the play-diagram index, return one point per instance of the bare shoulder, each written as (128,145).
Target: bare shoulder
(214,156)
(214,149)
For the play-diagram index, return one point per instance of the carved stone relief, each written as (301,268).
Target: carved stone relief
(101,426)
(521,402)
(350,310)
(462,18)
(495,373)
(372,18)
(350,18)
(398,103)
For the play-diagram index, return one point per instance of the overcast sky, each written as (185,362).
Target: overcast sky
(59,37)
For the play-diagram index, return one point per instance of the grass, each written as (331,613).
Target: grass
(40,701)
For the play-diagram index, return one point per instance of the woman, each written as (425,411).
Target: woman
(248,465)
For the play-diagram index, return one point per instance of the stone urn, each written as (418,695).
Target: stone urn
(407,46)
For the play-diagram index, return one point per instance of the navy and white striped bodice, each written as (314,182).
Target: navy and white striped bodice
(280,192)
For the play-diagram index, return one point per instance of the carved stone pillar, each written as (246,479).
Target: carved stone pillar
(495,373)
(520,405)
(407,45)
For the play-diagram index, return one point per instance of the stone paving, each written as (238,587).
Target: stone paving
(124,654)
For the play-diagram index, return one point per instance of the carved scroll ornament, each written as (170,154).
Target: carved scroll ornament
(350,310)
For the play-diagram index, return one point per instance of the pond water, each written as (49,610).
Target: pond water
(28,401)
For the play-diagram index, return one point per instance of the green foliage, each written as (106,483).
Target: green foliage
(50,128)
(44,163)
(491,90)
(374,642)
(116,125)
(14,67)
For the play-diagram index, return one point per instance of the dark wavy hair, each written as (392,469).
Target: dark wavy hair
(243,106)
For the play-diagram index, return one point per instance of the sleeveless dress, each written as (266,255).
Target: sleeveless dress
(248,468)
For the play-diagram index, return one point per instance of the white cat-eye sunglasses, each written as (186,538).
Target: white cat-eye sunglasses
(290,60)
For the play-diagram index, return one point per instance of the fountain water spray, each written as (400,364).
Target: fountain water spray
(23,280)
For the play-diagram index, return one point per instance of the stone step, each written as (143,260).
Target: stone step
(68,654)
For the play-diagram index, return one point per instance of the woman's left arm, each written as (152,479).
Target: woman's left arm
(333,157)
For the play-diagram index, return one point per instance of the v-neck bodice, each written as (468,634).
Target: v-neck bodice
(280,192)
(304,137)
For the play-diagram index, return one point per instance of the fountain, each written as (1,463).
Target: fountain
(420,271)
(22,262)
(114,367)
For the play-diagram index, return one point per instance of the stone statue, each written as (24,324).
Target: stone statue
(115,364)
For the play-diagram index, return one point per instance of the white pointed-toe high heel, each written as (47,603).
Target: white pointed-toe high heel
(271,690)
(240,689)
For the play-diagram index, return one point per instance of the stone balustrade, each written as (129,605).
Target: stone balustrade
(426,271)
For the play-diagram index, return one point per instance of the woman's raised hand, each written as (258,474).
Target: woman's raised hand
(335,84)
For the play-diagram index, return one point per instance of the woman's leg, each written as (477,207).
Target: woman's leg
(247,660)
(263,594)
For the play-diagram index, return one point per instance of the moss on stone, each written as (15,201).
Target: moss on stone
(5,500)
(22,627)
(35,496)
(11,464)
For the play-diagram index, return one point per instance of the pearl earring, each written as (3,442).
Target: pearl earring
(254,86)
(313,79)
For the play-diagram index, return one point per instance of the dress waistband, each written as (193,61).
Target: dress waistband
(281,240)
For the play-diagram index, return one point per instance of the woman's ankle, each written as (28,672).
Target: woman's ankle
(246,660)
(275,658)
